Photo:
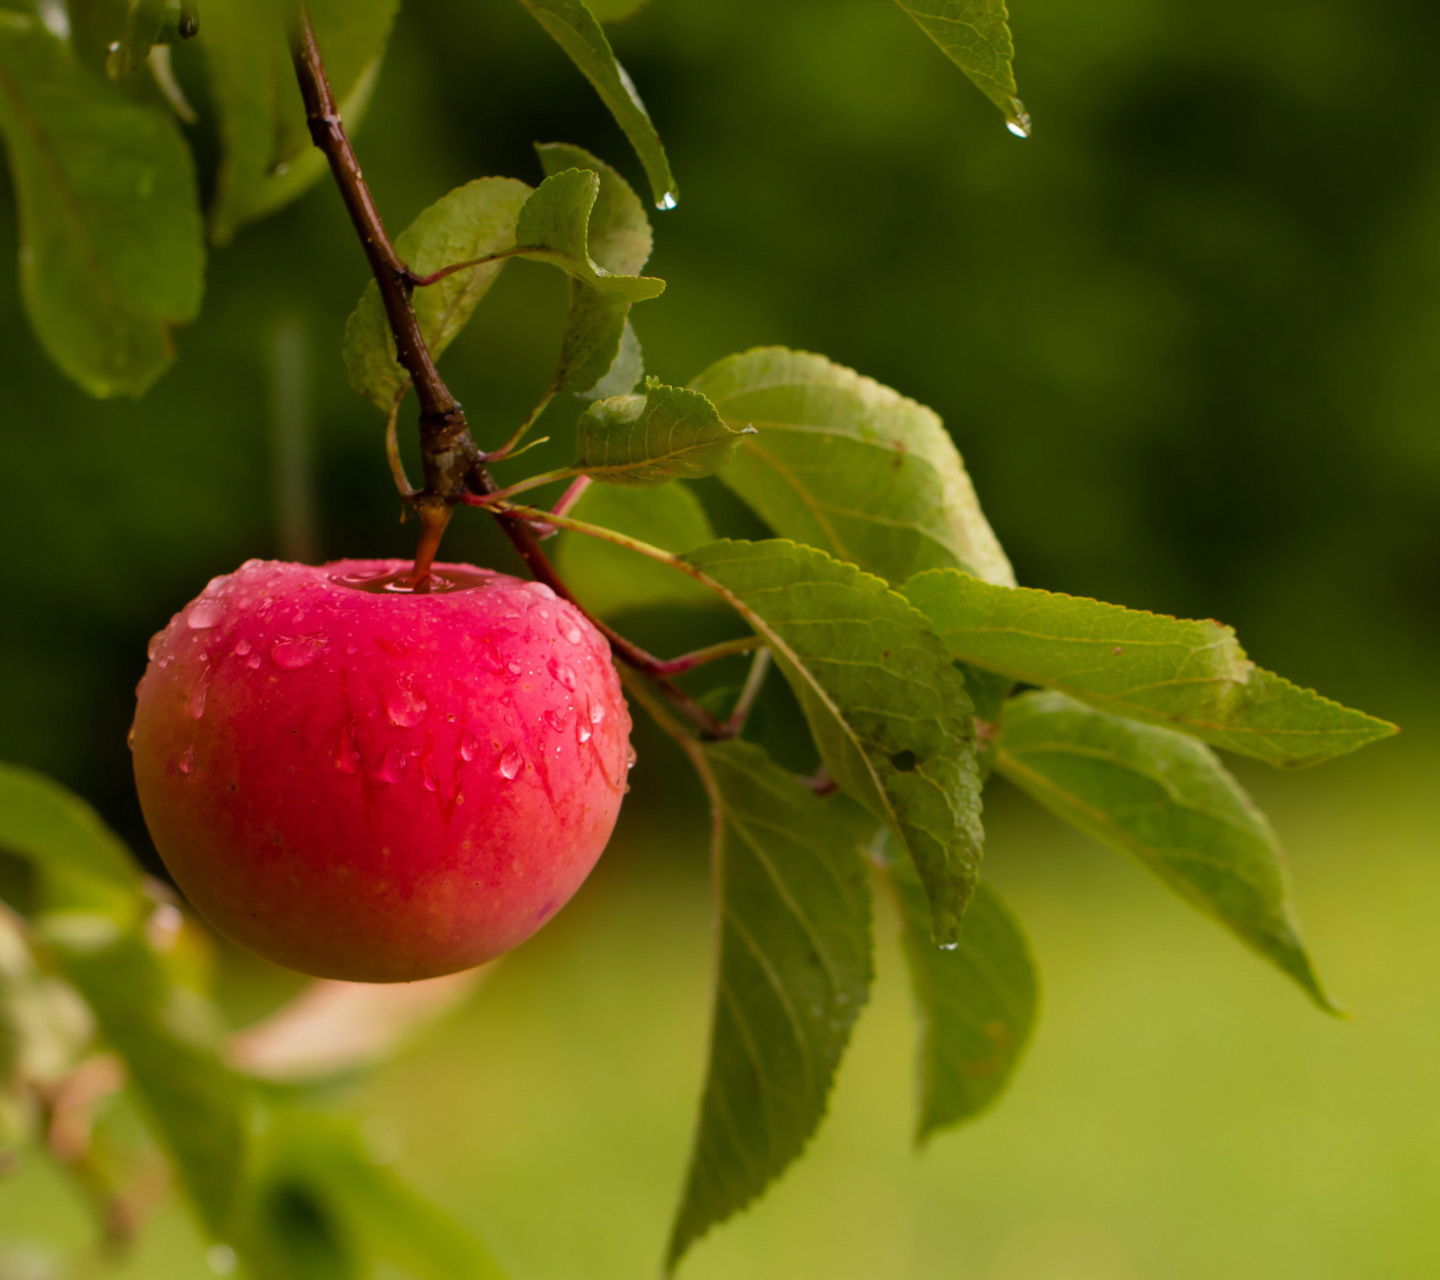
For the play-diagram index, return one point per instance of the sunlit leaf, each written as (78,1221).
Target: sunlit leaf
(976,1002)
(849,466)
(111,253)
(611,580)
(1188,675)
(887,708)
(470,222)
(1166,800)
(975,36)
(574,28)
(668,433)
(593,351)
(794,972)
(268,159)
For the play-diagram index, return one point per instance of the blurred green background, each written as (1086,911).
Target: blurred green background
(1186,337)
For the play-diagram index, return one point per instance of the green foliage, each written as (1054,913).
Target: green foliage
(846,465)
(111,258)
(272,1203)
(574,28)
(975,36)
(473,221)
(888,711)
(794,973)
(1166,800)
(976,1003)
(669,433)
(268,160)
(1191,676)
(600,355)
(611,579)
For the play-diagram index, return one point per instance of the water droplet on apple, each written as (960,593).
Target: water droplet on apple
(427,773)
(468,746)
(152,650)
(568,629)
(392,768)
(204,614)
(187,760)
(539,589)
(582,731)
(294,652)
(195,703)
(630,758)
(242,648)
(253,661)
(564,674)
(514,668)
(405,706)
(510,763)
(558,717)
(597,712)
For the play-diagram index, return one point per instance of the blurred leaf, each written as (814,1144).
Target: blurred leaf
(472,221)
(92,917)
(615,10)
(268,158)
(574,28)
(975,36)
(669,433)
(611,579)
(1169,802)
(143,20)
(44,1025)
(111,257)
(851,467)
(794,973)
(95,26)
(593,352)
(1188,675)
(976,1003)
(888,710)
(323,1209)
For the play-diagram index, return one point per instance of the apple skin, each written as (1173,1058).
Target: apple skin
(361,782)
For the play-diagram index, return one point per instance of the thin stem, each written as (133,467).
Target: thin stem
(392,450)
(508,448)
(745,703)
(449,453)
(421,282)
(567,500)
(501,495)
(699,657)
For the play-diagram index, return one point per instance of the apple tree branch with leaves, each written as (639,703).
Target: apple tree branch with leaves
(387,772)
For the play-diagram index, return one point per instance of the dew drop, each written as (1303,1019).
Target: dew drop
(242,648)
(427,773)
(564,674)
(152,650)
(195,703)
(1019,122)
(949,946)
(514,668)
(539,589)
(468,746)
(597,712)
(630,758)
(558,717)
(510,763)
(292,653)
(392,768)
(667,201)
(187,760)
(568,629)
(405,706)
(204,614)
(582,731)
(253,661)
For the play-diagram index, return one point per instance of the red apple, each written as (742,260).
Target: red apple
(361,781)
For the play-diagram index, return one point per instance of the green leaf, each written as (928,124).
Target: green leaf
(268,158)
(976,1003)
(669,433)
(142,30)
(92,917)
(595,356)
(321,1208)
(1187,675)
(615,10)
(794,972)
(574,28)
(610,579)
(851,467)
(1166,800)
(111,254)
(887,707)
(975,36)
(472,221)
